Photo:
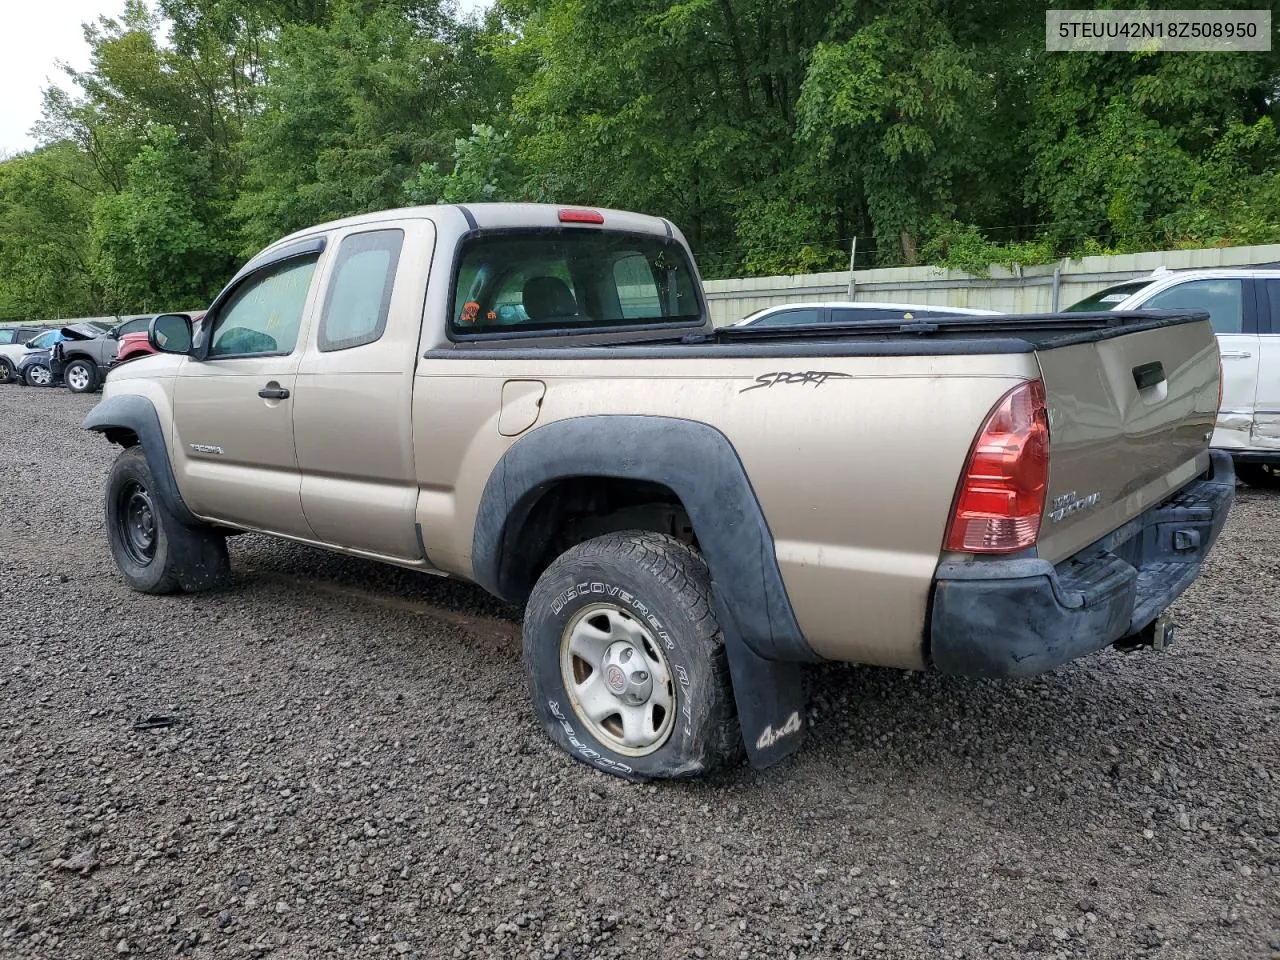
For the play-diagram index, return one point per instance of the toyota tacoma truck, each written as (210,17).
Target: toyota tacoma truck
(533,398)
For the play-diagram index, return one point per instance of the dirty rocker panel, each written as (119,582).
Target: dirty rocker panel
(1020,617)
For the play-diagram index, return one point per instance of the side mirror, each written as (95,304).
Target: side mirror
(170,333)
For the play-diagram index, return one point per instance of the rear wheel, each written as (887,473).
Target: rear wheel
(1265,476)
(80,376)
(626,662)
(39,375)
(154,550)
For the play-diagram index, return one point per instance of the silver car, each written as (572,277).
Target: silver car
(843,311)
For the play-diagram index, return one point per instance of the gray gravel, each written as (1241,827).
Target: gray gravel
(354,772)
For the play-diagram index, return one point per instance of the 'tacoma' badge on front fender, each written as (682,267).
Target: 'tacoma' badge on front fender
(1067,504)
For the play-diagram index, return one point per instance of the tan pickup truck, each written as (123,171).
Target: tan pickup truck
(533,398)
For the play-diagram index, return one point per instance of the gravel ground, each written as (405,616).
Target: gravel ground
(355,772)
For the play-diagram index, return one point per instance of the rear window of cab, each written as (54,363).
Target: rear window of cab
(571,280)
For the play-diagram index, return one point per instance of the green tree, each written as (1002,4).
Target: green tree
(154,250)
(484,170)
(46,252)
(355,106)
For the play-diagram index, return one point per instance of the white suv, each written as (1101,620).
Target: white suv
(16,343)
(1243,304)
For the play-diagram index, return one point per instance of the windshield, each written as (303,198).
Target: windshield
(46,340)
(572,279)
(1108,299)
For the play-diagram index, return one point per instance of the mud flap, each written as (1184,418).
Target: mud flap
(769,695)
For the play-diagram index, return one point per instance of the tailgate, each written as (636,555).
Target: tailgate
(1130,418)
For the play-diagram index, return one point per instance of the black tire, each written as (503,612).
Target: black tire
(664,585)
(1264,476)
(28,377)
(6,371)
(90,381)
(173,556)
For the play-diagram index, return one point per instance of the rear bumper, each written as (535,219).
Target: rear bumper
(1020,617)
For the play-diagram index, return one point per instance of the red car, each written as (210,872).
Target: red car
(134,345)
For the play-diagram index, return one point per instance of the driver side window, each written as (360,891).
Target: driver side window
(263,317)
(141,325)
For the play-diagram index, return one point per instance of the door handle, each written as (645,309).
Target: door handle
(1148,375)
(1237,355)
(273,393)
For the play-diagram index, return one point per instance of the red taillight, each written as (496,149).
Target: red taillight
(1002,489)
(581,216)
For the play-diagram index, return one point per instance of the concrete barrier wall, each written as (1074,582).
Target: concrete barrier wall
(1028,290)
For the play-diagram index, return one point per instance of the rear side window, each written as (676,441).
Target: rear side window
(886,315)
(359,295)
(6,336)
(1222,299)
(788,318)
(1107,299)
(133,326)
(1273,298)
(637,290)
(570,280)
(263,316)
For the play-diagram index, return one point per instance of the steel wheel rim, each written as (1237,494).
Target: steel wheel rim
(40,375)
(78,377)
(136,519)
(619,683)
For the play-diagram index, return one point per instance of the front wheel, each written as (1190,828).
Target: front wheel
(626,662)
(6,371)
(38,375)
(154,550)
(1264,476)
(81,376)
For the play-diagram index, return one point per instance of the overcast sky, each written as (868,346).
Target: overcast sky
(39,33)
(35,37)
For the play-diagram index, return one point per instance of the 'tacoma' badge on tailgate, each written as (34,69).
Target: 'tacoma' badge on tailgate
(1067,504)
(209,448)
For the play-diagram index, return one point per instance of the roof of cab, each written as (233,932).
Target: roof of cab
(493,215)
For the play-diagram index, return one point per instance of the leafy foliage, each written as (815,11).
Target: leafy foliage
(153,248)
(770,131)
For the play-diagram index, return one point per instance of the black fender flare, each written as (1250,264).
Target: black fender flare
(765,644)
(138,415)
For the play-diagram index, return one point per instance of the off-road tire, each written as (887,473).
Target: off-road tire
(664,584)
(27,375)
(177,556)
(1264,476)
(91,376)
(7,374)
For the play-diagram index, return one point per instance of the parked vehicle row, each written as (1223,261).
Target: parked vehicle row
(77,355)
